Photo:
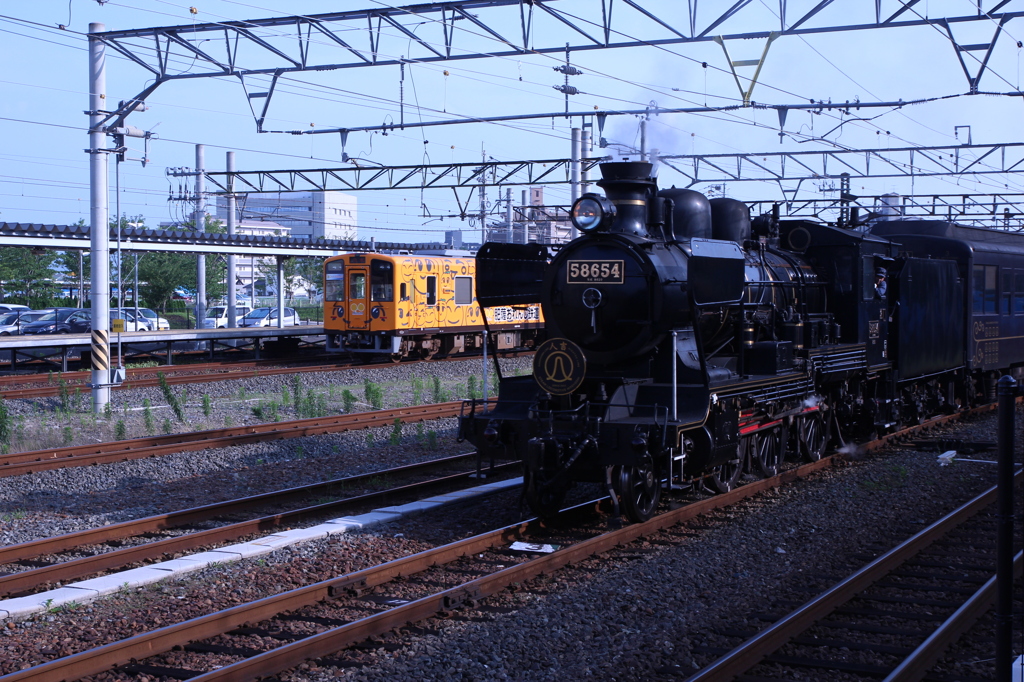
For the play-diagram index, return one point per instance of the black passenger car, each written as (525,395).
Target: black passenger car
(54,321)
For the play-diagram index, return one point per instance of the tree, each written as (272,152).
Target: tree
(311,269)
(161,273)
(29,274)
(289,270)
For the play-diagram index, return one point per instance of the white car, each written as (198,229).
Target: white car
(131,323)
(155,321)
(267,317)
(217,318)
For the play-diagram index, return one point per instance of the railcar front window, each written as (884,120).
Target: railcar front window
(357,285)
(334,281)
(382,281)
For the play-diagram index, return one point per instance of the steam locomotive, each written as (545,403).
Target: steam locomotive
(689,345)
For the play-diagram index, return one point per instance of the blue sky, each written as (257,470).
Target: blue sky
(44,170)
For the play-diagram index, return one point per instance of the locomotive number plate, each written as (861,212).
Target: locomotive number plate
(596,272)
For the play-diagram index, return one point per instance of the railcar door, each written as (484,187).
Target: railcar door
(357,311)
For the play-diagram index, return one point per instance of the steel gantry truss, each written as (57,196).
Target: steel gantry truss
(475,29)
(789,167)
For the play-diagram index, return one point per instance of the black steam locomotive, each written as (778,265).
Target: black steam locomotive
(690,345)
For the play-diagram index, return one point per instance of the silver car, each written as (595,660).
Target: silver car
(11,322)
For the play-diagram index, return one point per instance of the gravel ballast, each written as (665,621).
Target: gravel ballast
(636,618)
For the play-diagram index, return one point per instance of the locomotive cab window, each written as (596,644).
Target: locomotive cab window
(382,281)
(357,285)
(334,281)
(463,290)
(432,290)
(985,289)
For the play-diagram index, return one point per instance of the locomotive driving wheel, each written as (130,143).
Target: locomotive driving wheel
(724,477)
(813,436)
(768,450)
(639,490)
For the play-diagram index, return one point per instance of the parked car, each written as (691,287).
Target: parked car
(52,321)
(131,323)
(81,321)
(13,307)
(267,317)
(12,322)
(155,321)
(217,318)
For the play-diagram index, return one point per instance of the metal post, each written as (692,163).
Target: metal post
(485,370)
(584,150)
(508,216)
(200,226)
(135,287)
(1007,392)
(232,309)
(675,377)
(81,278)
(280,292)
(574,172)
(99,228)
(643,139)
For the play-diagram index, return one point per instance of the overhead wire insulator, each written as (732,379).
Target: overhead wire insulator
(567,89)
(567,70)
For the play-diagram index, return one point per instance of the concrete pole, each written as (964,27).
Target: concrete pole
(200,226)
(574,172)
(643,139)
(584,152)
(280,293)
(508,216)
(232,310)
(99,223)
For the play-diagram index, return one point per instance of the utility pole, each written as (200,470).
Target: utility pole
(584,151)
(574,172)
(99,227)
(483,200)
(200,226)
(232,310)
(508,215)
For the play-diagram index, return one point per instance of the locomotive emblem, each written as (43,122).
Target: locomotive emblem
(559,366)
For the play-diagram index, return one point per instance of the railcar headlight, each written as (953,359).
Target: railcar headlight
(591,212)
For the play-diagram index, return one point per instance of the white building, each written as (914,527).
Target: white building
(310,215)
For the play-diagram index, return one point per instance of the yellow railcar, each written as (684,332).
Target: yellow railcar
(415,306)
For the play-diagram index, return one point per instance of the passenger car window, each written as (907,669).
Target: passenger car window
(985,289)
(432,290)
(382,281)
(463,290)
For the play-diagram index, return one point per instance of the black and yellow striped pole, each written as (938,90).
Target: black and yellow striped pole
(99,226)
(101,351)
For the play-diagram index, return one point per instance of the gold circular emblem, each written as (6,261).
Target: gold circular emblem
(559,366)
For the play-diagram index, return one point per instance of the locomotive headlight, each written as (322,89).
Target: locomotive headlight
(591,212)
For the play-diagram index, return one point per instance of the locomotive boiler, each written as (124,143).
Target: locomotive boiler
(688,345)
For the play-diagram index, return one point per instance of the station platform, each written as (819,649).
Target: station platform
(55,349)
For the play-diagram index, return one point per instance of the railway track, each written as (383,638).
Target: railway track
(138,448)
(900,611)
(23,579)
(13,387)
(278,632)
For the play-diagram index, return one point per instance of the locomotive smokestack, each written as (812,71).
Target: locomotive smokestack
(629,185)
